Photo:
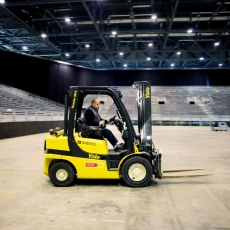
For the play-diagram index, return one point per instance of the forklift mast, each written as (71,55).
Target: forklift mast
(144,114)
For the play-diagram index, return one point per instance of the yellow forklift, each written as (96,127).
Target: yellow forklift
(80,151)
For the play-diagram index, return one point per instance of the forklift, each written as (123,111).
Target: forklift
(81,152)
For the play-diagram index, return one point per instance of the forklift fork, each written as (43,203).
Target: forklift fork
(161,173)
(182,175)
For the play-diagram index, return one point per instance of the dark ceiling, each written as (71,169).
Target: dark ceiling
(92,22)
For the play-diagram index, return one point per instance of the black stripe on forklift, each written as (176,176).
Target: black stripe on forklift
(94,156)
(58,152)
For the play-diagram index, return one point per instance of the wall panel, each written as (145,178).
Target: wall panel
(51,79)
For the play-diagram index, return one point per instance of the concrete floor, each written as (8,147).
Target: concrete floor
(29,201)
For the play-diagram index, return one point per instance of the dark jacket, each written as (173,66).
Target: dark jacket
(92,117)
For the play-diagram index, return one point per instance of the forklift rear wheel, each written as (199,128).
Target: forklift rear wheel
(62,174)
(137,172)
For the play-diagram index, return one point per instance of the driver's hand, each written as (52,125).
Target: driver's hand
(101,122)
(112,119)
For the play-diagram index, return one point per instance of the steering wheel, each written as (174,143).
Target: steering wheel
(112,122)
(119,124)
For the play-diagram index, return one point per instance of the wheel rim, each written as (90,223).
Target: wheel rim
(137,172)
(61,174)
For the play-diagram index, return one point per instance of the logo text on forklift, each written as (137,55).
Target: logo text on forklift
(86,143)
(94,156)
(74,99)
(147,92)
(91,165)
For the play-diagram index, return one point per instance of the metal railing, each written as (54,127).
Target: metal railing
(190,118)
(30,115)
(177,119)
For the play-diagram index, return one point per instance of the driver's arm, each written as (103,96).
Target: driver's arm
(111,119)
(103,122)
(107,121)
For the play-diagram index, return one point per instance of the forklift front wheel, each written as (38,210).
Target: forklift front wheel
(137,172)
(62,174)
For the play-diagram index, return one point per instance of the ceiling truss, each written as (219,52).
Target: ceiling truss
(92,23)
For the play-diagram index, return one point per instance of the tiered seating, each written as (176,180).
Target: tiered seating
(221,104)
(129,99)
(12,99)
(219,98)
(176,101)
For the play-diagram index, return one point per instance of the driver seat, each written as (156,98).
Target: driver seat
(86,131)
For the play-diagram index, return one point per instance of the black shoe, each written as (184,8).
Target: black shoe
(119,147)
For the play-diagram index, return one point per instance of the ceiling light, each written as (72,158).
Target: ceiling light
(24,47)
(216,43)
(121,53)
(67,55)
(154,17)
(189,31)
(220,64)
(125,65)
(201,58)
(43,35)
(87,45)
(178,53)
(98,60)
(150,44)
(172,65)
(114,32)
(148,58)
(67,19)
(2,1)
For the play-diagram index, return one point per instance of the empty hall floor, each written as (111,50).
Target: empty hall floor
(29,201)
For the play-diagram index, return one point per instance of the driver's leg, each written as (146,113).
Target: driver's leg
(113,140)
(109,136)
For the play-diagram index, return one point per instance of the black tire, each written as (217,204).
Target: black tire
(136,172)
(62,174)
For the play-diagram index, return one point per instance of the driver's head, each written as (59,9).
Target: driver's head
(95,103)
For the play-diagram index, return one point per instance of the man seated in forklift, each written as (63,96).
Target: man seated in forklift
(93,118)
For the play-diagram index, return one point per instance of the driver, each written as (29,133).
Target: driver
(93,118)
